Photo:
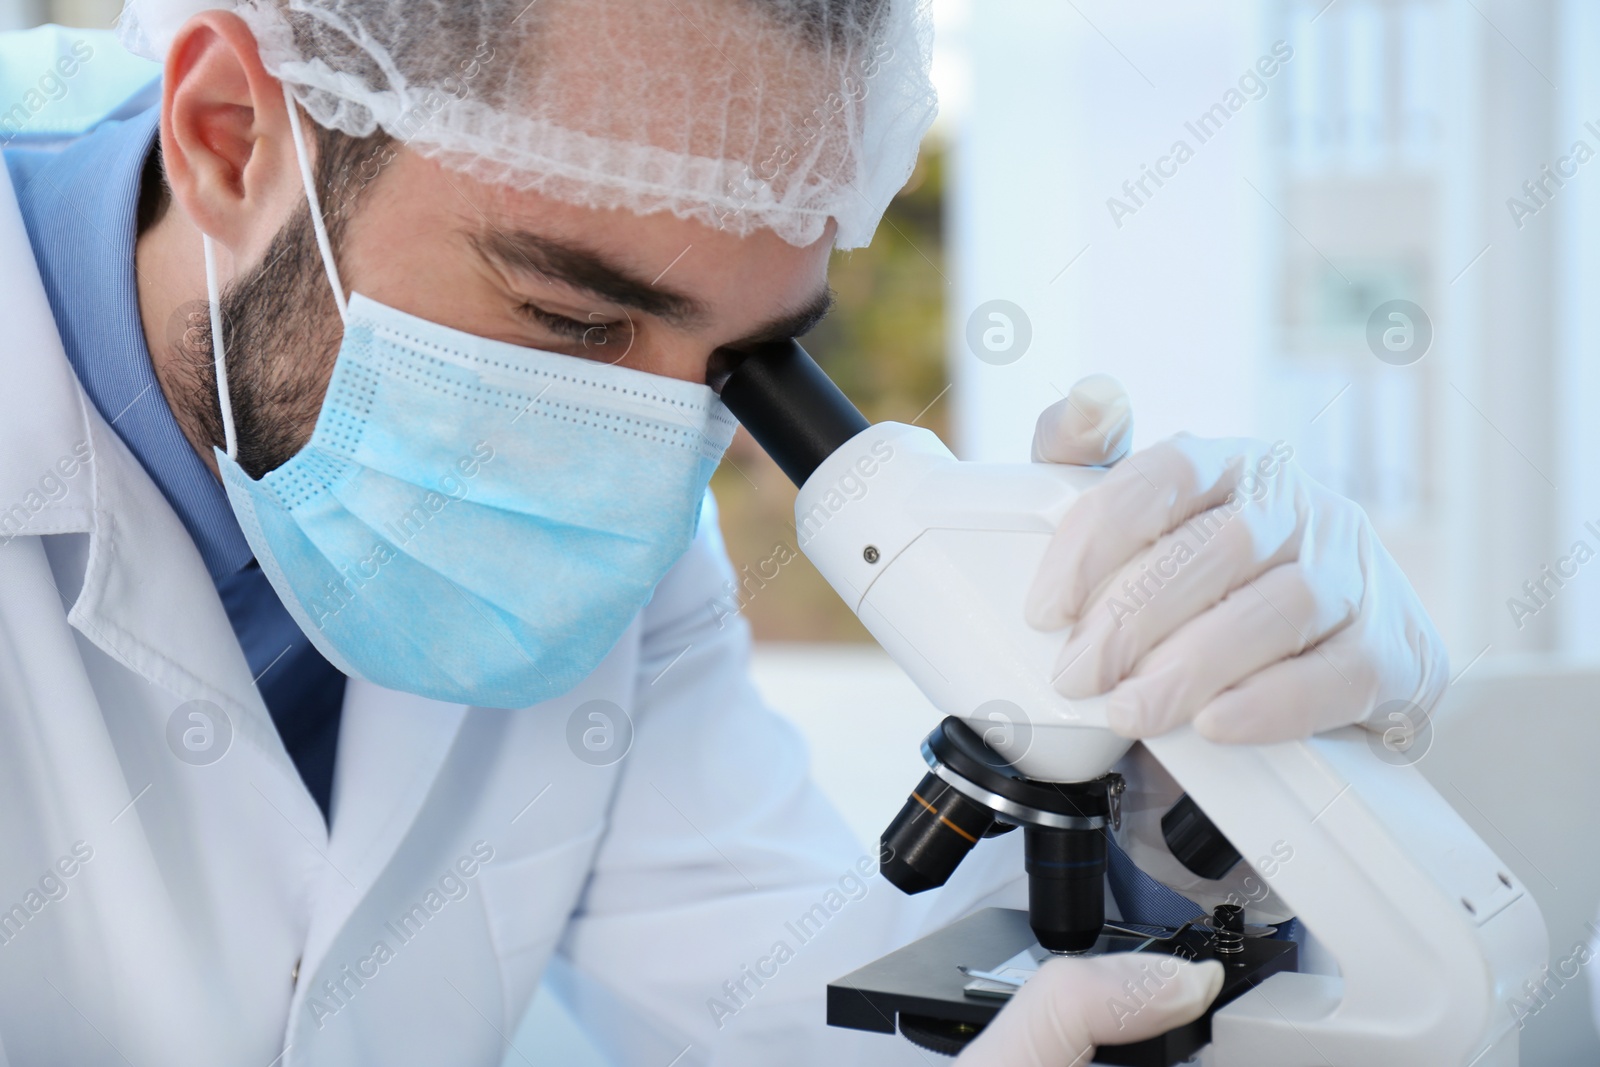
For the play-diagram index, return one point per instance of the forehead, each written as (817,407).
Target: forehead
(658,242)
(717,79)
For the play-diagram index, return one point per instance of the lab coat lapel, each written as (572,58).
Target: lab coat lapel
(394,749)
(391,748)
(149,602)
(146,599)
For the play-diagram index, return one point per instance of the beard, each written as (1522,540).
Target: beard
(281,333)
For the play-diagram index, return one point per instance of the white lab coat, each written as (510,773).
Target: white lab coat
(155,912)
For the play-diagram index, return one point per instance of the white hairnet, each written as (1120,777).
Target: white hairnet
(741,114)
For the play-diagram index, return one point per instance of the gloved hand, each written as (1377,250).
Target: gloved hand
(1213,581)
(1072,1005)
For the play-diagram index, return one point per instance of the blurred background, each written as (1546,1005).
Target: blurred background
(1147,200)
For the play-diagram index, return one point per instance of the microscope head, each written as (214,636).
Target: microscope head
(934,556)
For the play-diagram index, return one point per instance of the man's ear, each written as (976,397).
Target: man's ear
(225,138)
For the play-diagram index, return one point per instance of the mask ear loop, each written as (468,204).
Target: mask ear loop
(214,292)
(324,246)
(230,441)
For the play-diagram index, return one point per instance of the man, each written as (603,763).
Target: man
(358,673)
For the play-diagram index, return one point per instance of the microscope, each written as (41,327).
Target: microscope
(1427,934)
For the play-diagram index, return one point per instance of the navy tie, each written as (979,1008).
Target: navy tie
(303,691)
(1143,901)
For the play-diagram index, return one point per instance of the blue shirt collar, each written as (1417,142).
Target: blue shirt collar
(80,207)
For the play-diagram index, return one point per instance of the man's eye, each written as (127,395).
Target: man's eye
(592,334)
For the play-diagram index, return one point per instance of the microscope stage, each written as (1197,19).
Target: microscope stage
(920,990)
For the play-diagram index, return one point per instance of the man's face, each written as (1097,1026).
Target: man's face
(653,293)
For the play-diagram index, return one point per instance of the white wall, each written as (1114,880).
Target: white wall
(1057,118)
(1578,323)
(1378,165)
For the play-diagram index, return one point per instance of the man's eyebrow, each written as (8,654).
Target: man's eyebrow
(536,256)
(794,323)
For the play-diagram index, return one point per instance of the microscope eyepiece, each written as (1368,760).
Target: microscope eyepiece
(789,405)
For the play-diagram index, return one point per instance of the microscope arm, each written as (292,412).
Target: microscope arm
(1432,934)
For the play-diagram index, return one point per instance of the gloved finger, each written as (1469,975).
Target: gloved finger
(1181,576)
(1145,496)
(1073,1005)
(1092,426)
(1389,652)
(1273,618)
(1328,685)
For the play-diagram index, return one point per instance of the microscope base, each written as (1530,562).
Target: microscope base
(919,991)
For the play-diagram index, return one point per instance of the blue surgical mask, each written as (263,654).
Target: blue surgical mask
(475,521)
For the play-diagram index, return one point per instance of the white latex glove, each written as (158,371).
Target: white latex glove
(1092,426)
(1072,1005)
(1263,615)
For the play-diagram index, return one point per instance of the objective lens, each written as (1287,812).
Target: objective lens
(1066,886)
(931,836)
